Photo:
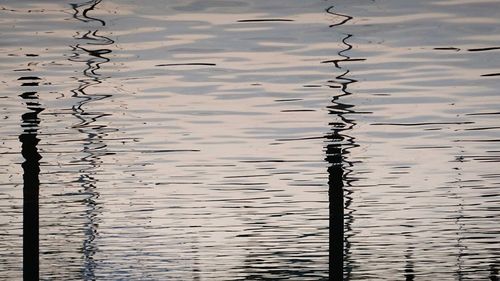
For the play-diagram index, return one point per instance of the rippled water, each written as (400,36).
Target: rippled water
(250,140)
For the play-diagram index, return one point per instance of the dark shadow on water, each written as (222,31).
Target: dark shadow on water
(31,182)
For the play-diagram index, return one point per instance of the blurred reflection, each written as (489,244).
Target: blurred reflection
(31,171)
(337,150)
(409,267)
(459,220)
(93,144)
(493,272)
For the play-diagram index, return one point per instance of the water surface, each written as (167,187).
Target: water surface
(250,140)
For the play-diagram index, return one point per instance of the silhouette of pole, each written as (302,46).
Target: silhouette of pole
(493,272)
(31,182)
(334,153)
(336,206)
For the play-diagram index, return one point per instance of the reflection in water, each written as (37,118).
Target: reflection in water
(336,197)
(423,97)
(460,228)
(81,10)
(31,171)
(493,272)
(337,150)
(237,130)
(409,267)
(93,144)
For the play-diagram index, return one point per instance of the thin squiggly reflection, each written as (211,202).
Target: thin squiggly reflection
(81,10)
(337,150)
(31,187)
(94,146)
(460,225)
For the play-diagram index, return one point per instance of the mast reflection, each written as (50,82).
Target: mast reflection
(88,52)
(409,271)
(340,167)
(31,182)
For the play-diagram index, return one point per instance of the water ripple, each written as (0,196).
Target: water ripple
(250,140)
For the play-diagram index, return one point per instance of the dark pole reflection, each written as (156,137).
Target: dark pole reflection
(339,182)
(336,198)
(31,182)
(493,272)
(459,220)
(93,145)
(337,149)
(409,267)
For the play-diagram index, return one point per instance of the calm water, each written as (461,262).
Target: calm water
(250,140)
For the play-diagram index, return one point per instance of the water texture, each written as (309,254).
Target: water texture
(249,140)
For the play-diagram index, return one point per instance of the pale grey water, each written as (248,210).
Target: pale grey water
(198,140)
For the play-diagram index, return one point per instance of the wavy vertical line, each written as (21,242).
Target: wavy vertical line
(81,15)
(94,146)
(341,169)
(345,19)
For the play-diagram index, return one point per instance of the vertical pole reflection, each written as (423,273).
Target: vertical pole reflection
(409,267)
(336,199)
(90,52)
(31,182)
(493,272)
(338,146)
(339,183)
